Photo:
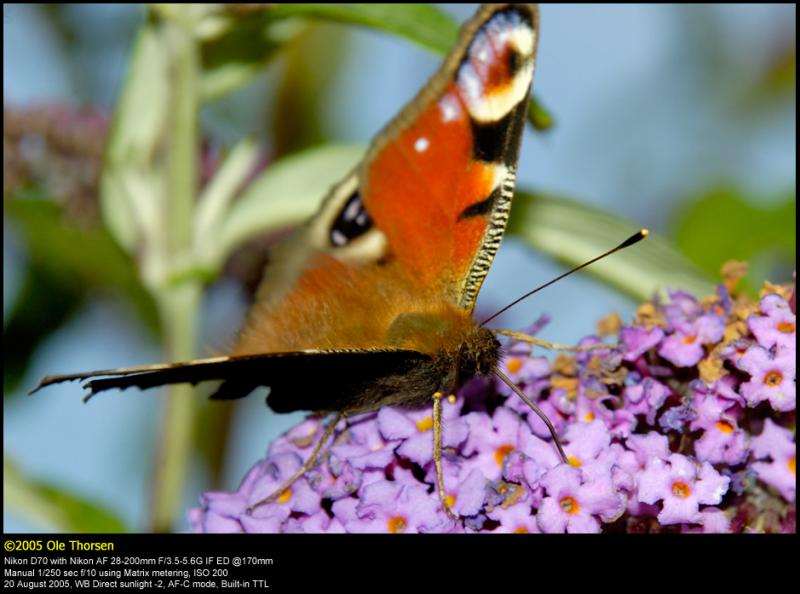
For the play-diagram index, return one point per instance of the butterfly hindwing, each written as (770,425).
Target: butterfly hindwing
(307,380)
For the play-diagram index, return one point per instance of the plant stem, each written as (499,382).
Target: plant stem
(182,141)
(178,310)
(178,303)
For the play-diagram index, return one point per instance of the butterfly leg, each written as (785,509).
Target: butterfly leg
(437,453)
(307,465)
(554,434)
(551,345)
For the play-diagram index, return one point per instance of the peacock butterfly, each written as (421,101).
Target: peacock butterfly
(370,302)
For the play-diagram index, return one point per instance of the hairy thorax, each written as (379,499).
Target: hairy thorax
(335,306)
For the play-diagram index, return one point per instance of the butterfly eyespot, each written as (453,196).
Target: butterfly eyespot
(352,222)
(514,61)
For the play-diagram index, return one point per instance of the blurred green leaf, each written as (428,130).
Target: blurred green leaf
(216,197)
(421,23)
(424,24)
(127,195)
(781,76)
(538,115)
(53,508)
(65,264)
(311,65)
(247,43)
(288,192)
(574,233)
(41,307)
(74,258)
(721,224)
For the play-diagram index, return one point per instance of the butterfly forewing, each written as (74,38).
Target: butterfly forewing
(438,181)
(415,227)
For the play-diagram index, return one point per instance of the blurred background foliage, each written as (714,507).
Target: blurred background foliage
(152,155)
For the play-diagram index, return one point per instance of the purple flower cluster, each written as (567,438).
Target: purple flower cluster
(684,423)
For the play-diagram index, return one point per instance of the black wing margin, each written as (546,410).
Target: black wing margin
(316,380)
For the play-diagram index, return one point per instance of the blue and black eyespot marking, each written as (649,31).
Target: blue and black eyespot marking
(353,221)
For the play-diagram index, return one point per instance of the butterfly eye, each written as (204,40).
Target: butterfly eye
(353,221)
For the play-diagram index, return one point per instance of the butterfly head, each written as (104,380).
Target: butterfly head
(459,347)
(479,354)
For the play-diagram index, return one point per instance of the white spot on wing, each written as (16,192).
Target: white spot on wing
(421,145)
(449,107)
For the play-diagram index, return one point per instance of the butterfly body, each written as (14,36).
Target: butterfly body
(346,309)
(370,302)
(396,255)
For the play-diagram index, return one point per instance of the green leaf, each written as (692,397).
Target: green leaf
(311,64)
(71,257)
(720,224)
(423,24)
(539,116)
(53,508)
(574,233)
(288,192)
(136,131)
(41,307)
(220,191)
(246,44)
(65,264)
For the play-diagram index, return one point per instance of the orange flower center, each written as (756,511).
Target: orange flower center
(569,505)
(689,340)
(773,378)
(785,327)
(501,453)
(285,496)
(425,424)
(396,524)
(574,462)
(725,426)
(793,464)
(521,530)
(514,365)
(450,500)
(589,417)
(681,489)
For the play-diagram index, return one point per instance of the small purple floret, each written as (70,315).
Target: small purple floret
(682,422)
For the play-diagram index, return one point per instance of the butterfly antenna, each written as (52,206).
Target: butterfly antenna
(635,238)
